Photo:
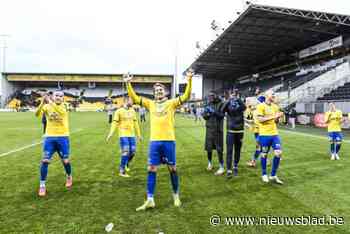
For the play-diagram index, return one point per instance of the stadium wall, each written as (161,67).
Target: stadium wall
(321,107)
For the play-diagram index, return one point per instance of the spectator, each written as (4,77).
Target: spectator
(292,116)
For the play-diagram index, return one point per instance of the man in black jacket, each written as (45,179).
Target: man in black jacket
(214,134)
(234,108)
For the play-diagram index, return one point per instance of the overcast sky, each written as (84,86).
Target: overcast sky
(115,36)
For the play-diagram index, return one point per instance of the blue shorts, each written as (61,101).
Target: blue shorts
(270,141)
(162,152)
(52,145)
(127,144)
(335,136)
(256,135)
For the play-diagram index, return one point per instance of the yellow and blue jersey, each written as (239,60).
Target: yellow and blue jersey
(334,120)
(162,114)
(56,118)
(267,128)
(125,119)
(57,130)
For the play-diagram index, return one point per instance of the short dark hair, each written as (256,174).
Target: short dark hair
(159,85)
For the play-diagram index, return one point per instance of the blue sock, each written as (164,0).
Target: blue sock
(337,148)
(263,165)
(123,162)
(332,148)
(43,170)
(275,164)
(67,168)
(151,183)
(256,154)
(174,181)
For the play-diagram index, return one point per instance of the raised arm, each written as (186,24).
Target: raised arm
(186,96)
(183,98)
(135,98)
(39,110)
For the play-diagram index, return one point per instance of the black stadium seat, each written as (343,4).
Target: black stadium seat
(341,93)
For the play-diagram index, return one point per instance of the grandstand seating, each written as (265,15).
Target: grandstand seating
(296,81)
(341,93)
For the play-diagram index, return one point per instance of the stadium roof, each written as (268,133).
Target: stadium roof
(82,74)
(261,33)
(80,77)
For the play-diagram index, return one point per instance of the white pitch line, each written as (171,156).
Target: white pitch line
(21,128)
(308,135)
(29,146)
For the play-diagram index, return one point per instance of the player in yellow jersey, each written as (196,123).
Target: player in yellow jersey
(56,138)
(333,119)
(268,114)
(253,120)
(128,128)
(162,140)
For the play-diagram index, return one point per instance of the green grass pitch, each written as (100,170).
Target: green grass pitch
(314,185)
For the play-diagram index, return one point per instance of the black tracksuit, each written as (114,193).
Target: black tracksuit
(234,109)
(214,123)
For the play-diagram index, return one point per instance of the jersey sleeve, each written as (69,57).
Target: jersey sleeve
(137,99)
(183,98)
(175,102)
(40,110)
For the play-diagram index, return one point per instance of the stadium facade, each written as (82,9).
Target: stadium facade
(95,87)
(302,55)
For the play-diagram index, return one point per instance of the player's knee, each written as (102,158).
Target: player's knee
(152,168)
(278,153)
(66,161)
(125,153)
(172,168)
(257,147)
(45,161)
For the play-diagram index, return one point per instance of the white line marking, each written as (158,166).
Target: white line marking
(309,135)
(29,146)
(21,128)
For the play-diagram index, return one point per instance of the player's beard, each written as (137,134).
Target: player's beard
(159,96)
(58,102)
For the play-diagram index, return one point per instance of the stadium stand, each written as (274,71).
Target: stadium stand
(300,54)
(84,92)
(341,93)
